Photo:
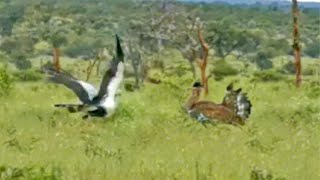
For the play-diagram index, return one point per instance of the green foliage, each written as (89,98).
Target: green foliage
(262,60)
(223,69)
(42,48)
(5,81)
(267,76)
(49,172)
(8,45)
(314,91)
(258,174)
(277,47)
(57,40)
(27,75)
(85,48)
(242,31)
(21,62)
(309,70)
(10,13)
(313,50)
(225,40)
(13,45)
(288,68)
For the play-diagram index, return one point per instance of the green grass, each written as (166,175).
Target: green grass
(151,138)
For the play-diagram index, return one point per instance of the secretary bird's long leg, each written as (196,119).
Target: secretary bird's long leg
(86,117)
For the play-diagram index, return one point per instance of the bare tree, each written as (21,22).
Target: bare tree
(56,59)
(203,61)
(103,55)
(296,45)
(187,45)
(136,62)
(90,67)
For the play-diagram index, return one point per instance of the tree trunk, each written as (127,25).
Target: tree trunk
(100,57)
(56,60)
(203,62)
(296,45)
(90,67)
(193,69)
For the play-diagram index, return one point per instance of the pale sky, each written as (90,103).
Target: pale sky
(309,0)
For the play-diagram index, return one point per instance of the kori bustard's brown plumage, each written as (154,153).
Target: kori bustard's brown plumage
(234,109)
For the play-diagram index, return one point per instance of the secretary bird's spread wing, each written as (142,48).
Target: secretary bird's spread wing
(112,78)
(83,90)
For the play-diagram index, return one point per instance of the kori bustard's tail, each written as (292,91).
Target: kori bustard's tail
(243,106)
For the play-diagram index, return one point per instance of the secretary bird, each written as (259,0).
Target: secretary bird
(102,103)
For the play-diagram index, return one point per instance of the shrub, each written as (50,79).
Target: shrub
(267,76)
(21,62)
(5,82)
(262,174)
(27,75)
(262,60)
(288,68)
(223,69)
(309,70)
(314,90)
(313,50)
(34,172)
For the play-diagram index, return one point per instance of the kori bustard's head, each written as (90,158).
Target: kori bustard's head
(197,89)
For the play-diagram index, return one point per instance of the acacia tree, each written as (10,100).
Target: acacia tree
(190,52)
(57,40)
(134,46)
(186,42)
(296,46)
(55,31)
(226,39)
(136,62)
(158,28)
(149,35)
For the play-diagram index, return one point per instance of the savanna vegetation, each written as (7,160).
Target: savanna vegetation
(150,136)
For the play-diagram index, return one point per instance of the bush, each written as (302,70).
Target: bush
(34,172)
(314,91)
(223,69)
(262,60)
(288,68)
(313,50)
(5,82)
(27,75)
(267,76)
(309,70)
(262,174)
(21,62)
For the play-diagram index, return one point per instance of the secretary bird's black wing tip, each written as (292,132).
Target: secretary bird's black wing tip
(120,54)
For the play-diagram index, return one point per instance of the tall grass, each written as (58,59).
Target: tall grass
(151,138)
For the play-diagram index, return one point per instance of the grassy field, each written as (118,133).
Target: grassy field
(150,137)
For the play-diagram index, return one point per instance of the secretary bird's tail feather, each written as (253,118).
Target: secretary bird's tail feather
(72,108)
